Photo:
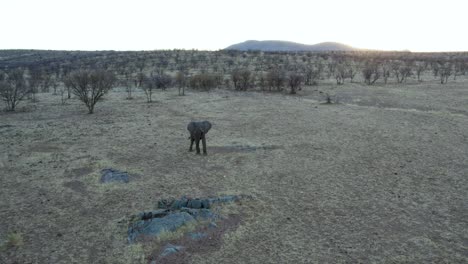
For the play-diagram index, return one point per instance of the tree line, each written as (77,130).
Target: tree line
(89,75)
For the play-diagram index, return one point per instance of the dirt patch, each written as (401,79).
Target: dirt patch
(76,186)
(45,148)
(78,172)
(241,149)
(211,241)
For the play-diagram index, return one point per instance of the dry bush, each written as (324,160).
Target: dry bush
(275,79)
(13,88)
(241,79)
(181,81)
(294,82)
(371,73)
(91,86)
(204,81)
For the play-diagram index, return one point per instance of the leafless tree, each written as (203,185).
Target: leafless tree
(46,81)
(128,83)
(312,73)
(386,67)
(91,86)
(140,79)
(147,85)
(340,74)
(181,82)
(294,82)
(13,88)
(371,73)
(35,79)
(405,72)
(54,83)
(205,81)
(241,79)
(63,98)
(275,79)
(68,85)
(445,72)
(161,80)
(401,71)
(420,68)
(351,71)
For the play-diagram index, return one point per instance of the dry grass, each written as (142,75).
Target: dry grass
(380,177)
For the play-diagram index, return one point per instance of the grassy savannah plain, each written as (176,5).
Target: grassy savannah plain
(379,177)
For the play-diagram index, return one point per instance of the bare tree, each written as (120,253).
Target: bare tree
(161,80)
(275,79)
(127,82)
(147,85)
(46,81)
(294,82)
(90,86)
(205,81)
(386,67)
(340,74)
(54,83)
(13,88)
(241,79)
(445,72)
(351,71)
(35,79)
(68,85)
(401,71)
(312,73)
(371,73)
(140,78)
(63,98)
(405,72)
(420,68)
(181,82)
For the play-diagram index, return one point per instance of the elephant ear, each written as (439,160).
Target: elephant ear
(205,127)
(191,127)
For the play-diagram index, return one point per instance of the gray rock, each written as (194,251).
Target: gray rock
(228,199)
(197,203)
(112,175)
(152,214)
(200,213)
(197,236)
(171,249)
(156,226)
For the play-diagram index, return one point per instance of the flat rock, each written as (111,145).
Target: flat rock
(200,214)
(171,249)
(155,226)
(197,236)
(112,175)
(196,203)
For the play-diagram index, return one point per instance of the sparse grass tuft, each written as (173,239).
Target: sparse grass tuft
(135,253)
(13,240)
(180,232)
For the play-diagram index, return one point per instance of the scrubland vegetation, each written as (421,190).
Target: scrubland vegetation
(33,71)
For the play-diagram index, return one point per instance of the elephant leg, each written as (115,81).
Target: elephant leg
(204,144)
(191,144)
(197,142)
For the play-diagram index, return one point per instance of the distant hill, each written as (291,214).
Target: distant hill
(279,45)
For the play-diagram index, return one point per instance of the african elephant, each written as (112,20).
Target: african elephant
(198,131)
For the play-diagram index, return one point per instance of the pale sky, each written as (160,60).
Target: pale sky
(417,25)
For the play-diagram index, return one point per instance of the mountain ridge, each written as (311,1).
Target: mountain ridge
(282,45)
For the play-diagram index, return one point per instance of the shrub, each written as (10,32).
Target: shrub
(13,88)
(90,86)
